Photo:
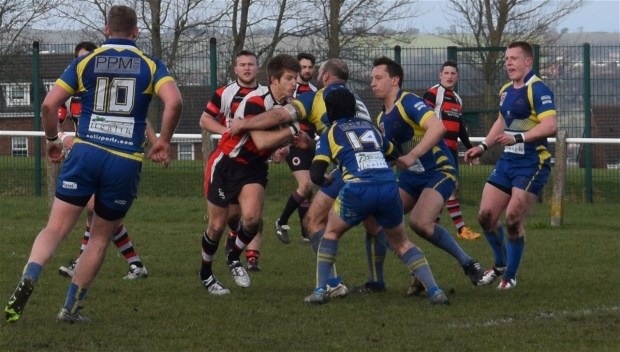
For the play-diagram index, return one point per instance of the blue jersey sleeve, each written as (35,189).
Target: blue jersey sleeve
(543,100)
(416,109)
(323,150)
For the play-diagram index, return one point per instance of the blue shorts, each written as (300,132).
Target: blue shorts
(333,189)
(519,173)
(443,182)
(89,170)
(358,200)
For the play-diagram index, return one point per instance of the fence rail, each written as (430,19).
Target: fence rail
(571,182)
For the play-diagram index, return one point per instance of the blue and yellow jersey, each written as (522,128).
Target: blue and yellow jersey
(522,109)
(313,111)
(403,127)
(359,150)
(115,83)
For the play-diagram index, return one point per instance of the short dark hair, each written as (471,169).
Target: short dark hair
(450,63)
(122,19)
(338,68)
(245,53)
(306,56)
(393,68)
(525,46)
(279,63)
(340,103)
(88,46)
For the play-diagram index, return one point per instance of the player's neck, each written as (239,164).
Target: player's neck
(280,98)
(390,100)
(247,85)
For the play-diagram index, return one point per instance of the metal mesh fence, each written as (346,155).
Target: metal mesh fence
(585,110)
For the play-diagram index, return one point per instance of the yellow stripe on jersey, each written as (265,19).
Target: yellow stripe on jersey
(133,156)
(418,130)
(333,146)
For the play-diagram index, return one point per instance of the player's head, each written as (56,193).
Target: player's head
(306,61)
(519,59)
(333,70)
(340,103)
(246,67)
(84,48)
(386,77)
(282,71)
(122,22)
(449,74)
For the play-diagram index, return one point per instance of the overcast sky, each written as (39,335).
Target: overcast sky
(594,16)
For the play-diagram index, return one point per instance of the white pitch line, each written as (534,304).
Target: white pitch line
(545,315)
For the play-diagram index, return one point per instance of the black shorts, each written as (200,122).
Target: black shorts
(225,177)
(299,159)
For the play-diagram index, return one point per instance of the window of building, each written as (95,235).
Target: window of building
(186,151)
(48,84)
(19,146)
(16,94)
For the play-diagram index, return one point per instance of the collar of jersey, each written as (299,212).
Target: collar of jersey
(119,42)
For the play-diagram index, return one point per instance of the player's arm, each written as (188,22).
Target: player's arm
(434,131)
(272,139)
(317,171)
(49,115)
(464,136)
(547,127)
(170,96)
(266,120)
(211,124)
(150,133)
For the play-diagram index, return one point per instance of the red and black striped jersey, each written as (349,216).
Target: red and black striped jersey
(226,100)
(242,147)
(448,106)
(303,88)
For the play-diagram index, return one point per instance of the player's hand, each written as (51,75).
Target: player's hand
(67,142)
(472,154)
(280,154)
(54,151)
(505,139)
(236,126)
(405,161)
(160,152)
(302,141)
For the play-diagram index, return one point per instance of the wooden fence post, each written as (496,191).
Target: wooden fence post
(559,180)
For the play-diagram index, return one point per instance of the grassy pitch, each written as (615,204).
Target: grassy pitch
(567,298)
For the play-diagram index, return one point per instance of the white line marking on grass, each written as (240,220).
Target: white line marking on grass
(538,316)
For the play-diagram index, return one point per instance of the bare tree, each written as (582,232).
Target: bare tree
(495,24)
(346,24)
(174,25)
(171,26)
(17,17)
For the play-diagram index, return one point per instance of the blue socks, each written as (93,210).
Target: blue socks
(32,271)
(326,257)
(376,250)
(416,262)
(441,238)
(497,241)
(514,249)
(75,295)
(315,239)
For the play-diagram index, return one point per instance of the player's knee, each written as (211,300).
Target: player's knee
(305,189)
(252,224)
(421,228)
(485,219)
(216,230)
(513,224)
